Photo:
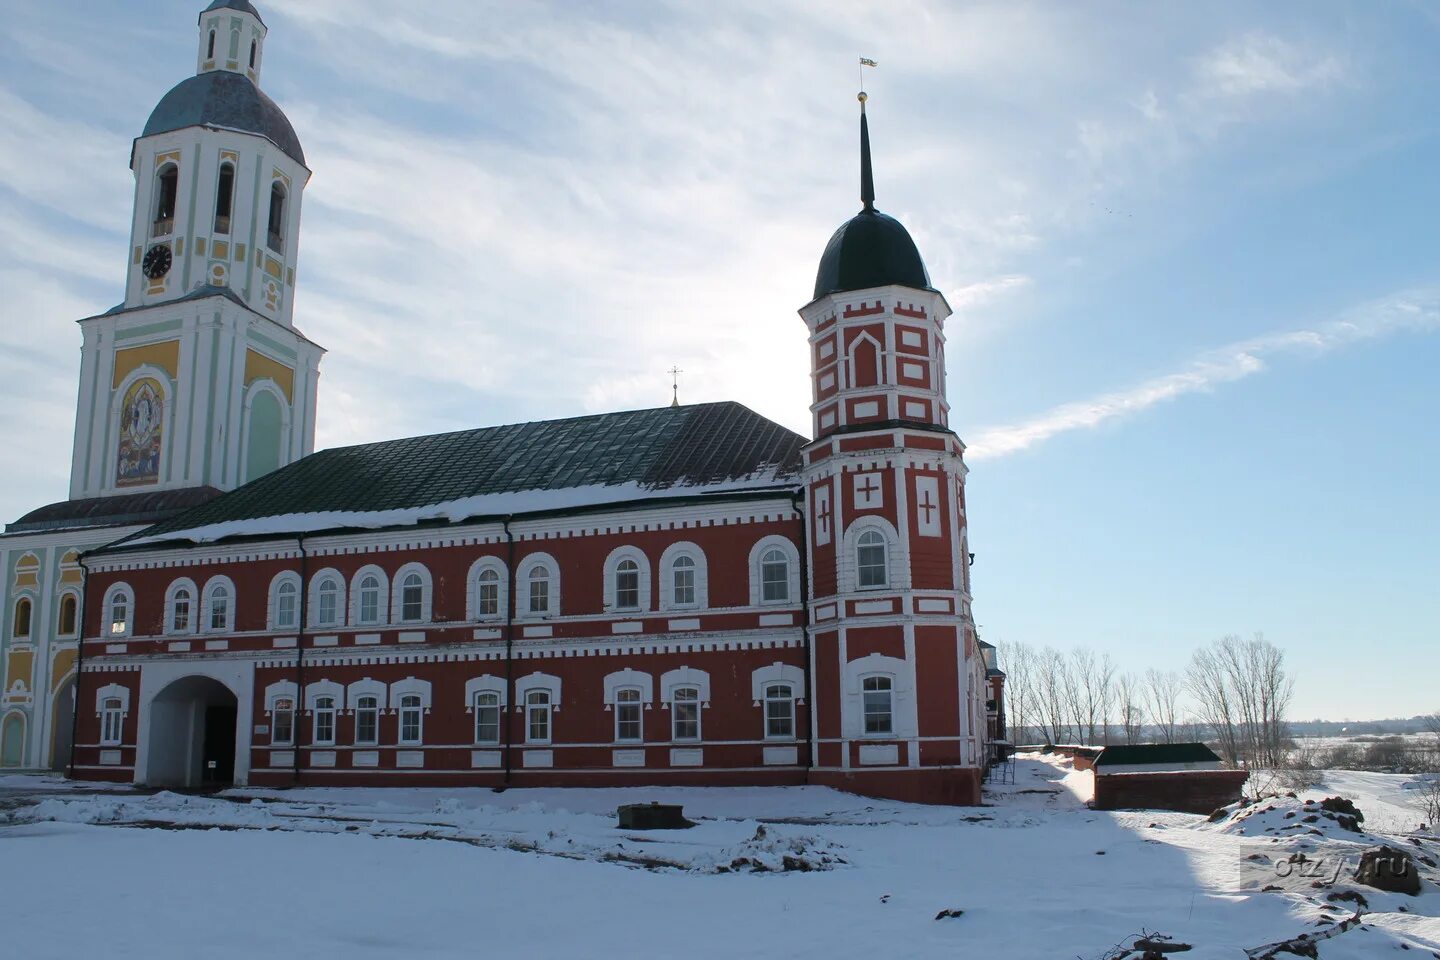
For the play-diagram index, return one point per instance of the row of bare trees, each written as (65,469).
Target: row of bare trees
(1234,692)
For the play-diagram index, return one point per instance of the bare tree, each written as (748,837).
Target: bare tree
(1018,662)
(1162,702)
(1242,693)
(1131,708)
(1052,705)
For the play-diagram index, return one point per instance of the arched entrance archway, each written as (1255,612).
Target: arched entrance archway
(62,725)
(192,734)
(12,739)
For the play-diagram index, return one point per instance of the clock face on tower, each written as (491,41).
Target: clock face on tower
(157,261)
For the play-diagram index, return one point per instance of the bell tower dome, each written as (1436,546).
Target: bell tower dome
(232,38)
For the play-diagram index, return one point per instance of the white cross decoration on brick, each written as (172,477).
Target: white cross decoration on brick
(869,494)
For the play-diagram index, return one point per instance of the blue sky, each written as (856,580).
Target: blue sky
(1192,249)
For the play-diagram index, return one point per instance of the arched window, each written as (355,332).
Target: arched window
(879,705)
(682,582)
(325,721)
(774,576)
(23,610)
(779,711)
(411,718)
(217,607)
(282,721)
(685,714)
(538,590)
(412,598)
(167,189)
(872,560)
(69,615)
(487,717)
(537,716)
(327,601)
(627,585)
(118,606)
(487,593)
(368,611)
(180,610)
(210,47)
(112,721)
(287,612)
(367,720)
(628,726)
(224,196)
(277,217)
(254,48)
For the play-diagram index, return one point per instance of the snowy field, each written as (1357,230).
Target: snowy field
(374,873)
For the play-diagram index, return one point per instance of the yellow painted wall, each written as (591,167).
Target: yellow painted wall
(165,355)
(19,668)
(60,670)
(259,367)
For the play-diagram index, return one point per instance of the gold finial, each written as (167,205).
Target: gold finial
(863,96)
(675,385)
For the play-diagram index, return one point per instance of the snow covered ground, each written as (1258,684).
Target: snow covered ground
(546,873)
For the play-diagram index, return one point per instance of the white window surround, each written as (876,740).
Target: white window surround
(324,688)
(904,722)
(184,583)
(118,591)
(522,586)
(667,579)
(672,680)
(410,685)
(633,679)
(897,573)
(486,683)
(365,688)
(272,608)
(777,673)
(612,562)
(792,557)
(538,681)
(382,598)
(852,372)
(212,587)
(397,598)
(328,575)
(112,691)
(60,605)
(472,589)
(280,690)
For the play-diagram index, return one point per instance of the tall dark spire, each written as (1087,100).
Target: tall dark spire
(867,179)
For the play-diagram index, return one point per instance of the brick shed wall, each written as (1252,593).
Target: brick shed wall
(1188,791)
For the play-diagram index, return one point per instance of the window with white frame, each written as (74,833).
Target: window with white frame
(627,585)
(119,605)
(24,610)
(879,705)
(367,601)
(872,560)
(412,598)
(69,618)
(367,720)
(537,716)
(685,714)
(774,576)
(324,716)
(217,607)
(487,594)
(282,721)
(537,590)
(112,720)
(327,600)
(629,726)
(779,711)
(682,581)
(287,606)
(181,603)
(487,716)
(412,712)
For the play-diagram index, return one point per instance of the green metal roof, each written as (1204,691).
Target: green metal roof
(1155,753)
(698,450)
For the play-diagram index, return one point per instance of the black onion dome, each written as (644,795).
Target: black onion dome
(244,6)
(225,100)
(871,249)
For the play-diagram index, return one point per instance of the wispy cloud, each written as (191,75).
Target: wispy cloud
(1412,311)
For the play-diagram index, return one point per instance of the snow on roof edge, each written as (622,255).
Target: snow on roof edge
(455,511)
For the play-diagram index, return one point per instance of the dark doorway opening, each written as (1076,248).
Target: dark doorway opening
(193,733)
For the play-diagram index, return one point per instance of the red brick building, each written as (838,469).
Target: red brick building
(691,594)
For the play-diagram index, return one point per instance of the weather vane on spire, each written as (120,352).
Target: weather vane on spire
(675,385)
(867,179)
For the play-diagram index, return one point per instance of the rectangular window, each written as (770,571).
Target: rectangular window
(410,719)
(367,720)
(684,586)
(111,722)
(487,718)
(537,717)
(685,709)
(285,608)
(779,712)
(182,612)
(489,597)
(879,700)
(627,716)
(282,722)
(539,596)
(326,614)
(325,720)
(219,613)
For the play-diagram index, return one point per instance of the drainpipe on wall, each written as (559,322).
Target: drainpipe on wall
(79,660)
(302,613)
(511,595)
(799,501)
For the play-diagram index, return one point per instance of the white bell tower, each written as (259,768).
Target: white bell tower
(199,378)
